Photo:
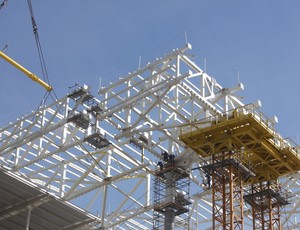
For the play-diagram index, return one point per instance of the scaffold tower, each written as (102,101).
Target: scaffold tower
(248,130)
(227,173)
(171,195)
(99,153)
(266,200)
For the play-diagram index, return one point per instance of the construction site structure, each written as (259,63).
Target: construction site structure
(171,195)
(96,157)
(267,202)
(264,157)
(227,174)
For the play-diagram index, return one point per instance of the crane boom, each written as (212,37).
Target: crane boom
(26,71)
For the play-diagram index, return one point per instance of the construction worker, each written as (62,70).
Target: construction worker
(161,165)
(165,156)
(208,180)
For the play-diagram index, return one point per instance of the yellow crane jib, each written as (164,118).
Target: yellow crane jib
(26,71)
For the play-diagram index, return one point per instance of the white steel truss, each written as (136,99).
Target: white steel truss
(100,152)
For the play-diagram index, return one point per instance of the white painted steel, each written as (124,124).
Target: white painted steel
(141,115)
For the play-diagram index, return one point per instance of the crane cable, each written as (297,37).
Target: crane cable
(40,53)
(3,4)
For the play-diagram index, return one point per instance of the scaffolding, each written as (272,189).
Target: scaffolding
(266,200)
(264,157)
(140,115)
(171,197)
(97,140)
(227,174)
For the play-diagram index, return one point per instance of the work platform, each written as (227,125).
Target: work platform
(246,129)
(259,198)
(97,140)
(219,168)
(178,172)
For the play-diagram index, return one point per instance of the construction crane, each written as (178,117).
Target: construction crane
(26,71)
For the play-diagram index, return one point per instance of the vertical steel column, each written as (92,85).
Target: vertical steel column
(214,186)
(217,190)
(220,195)
(238,204)
(227,192)
(28,218)
(170,198)
(266,206)
(104,199)
(257,208)
(230,198)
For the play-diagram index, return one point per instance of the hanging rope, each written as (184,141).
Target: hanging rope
(3,4)
(40,53)
(4,48)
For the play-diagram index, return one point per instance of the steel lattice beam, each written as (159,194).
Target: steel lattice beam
(100,152)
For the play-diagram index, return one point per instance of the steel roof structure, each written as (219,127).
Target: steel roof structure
(100,152)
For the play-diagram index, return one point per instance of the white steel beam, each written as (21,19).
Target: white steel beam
(100,152)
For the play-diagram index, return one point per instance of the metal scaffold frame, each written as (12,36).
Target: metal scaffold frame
(227,173)
(267,201)
(270,156)
(99,152)
(227,196)
(171,197)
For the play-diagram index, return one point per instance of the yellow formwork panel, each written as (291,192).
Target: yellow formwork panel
(250,132)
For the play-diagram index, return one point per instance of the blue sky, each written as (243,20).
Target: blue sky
(85,40)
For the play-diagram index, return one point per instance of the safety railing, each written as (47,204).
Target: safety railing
(230,115)
(242,113)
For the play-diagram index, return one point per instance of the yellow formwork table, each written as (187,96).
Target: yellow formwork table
(248,131)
